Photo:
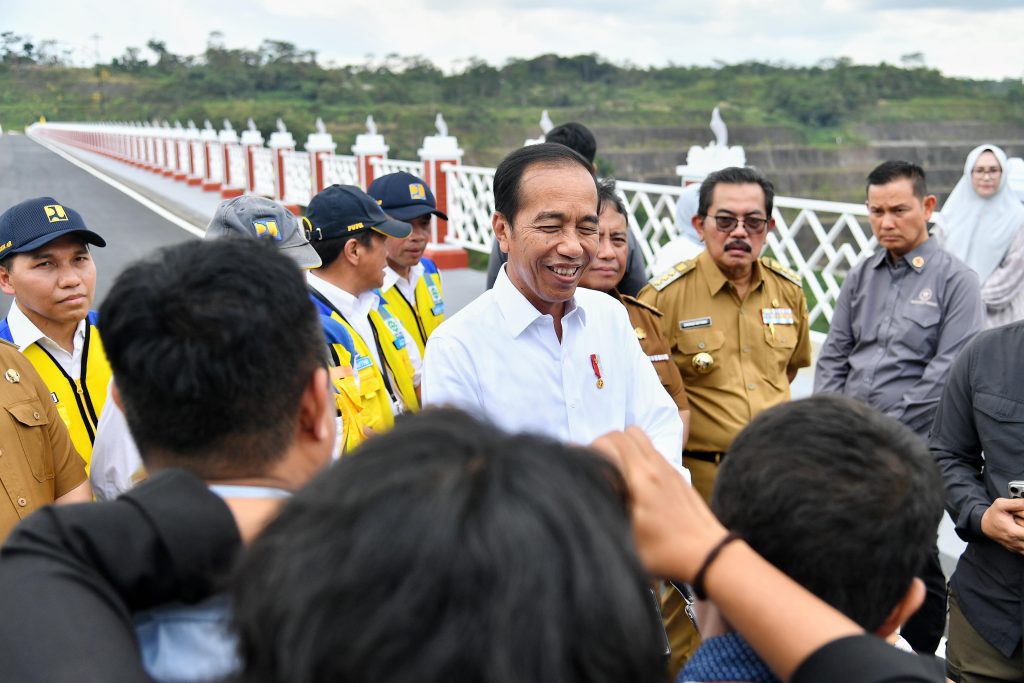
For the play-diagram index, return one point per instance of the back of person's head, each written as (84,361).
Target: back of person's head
(445,550)
(212,344)
(509,174)
(576,137)
(734,175)
(843,499)
(893,170)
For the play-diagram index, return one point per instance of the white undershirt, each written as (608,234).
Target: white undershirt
(25,333)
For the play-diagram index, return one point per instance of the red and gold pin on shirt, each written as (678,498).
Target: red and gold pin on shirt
(595,363)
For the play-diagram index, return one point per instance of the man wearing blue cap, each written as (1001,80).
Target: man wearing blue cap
(348,231)
(412,283)
(46,265)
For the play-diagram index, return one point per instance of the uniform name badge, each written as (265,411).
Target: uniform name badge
(362,362)
(396,332)
(777,316)
(435,297)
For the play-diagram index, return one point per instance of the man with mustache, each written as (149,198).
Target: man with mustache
(737,323)
(901,319)
(536,353)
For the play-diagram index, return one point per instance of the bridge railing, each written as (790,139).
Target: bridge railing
(819,240)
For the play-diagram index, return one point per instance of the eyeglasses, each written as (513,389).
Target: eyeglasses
(982,172)
(752,224)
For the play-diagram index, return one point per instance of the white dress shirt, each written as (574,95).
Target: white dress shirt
(116,464)
(356,310)
(25,333)
(499,358)
(407,286)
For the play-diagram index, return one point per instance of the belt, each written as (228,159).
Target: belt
(705,456)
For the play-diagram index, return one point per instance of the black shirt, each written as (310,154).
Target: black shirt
(977,441)
(71,577)
(867,659)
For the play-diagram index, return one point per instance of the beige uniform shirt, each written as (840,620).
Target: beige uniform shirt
(38,464)
(646,321)
(752,344)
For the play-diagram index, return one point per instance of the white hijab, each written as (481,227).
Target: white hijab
(978,230)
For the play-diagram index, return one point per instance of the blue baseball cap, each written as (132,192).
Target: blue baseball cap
(341,210)
(35,222)
(404,196)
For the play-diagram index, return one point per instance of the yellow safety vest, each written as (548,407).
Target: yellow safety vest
(79,401)
(374,386)
(347,396)
(422,316)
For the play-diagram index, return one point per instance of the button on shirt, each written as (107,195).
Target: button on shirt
(356,310)
(500,359)
(703,314)
(896,330)
(976,441)
(25,333)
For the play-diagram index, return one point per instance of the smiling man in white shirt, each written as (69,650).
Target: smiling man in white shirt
(535,353)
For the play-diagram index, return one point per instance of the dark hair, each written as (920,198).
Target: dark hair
(843,499)
(212,344)
(511,169)
(606,193)
(576,137)
(330,249)
(446,550)
(888,171)
(735,175)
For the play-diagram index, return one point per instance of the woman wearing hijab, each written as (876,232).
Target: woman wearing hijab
(983,225)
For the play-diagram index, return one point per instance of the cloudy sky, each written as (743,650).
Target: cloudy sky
(965,38)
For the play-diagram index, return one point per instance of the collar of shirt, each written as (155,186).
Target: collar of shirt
(716,278)
(407,286)
(351,306)
(25,333)
(924,250)
(519,313)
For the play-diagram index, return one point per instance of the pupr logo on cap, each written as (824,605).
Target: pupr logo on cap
(55,213)
(416,191)
(267,230)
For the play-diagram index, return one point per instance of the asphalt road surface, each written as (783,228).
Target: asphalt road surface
(132,231)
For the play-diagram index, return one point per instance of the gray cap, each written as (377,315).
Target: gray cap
(263,219)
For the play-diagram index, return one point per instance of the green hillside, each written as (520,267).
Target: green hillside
(490,108)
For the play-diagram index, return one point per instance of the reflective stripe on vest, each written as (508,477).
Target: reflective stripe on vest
(79,401)
(374,388)
(343,378)
(422,316)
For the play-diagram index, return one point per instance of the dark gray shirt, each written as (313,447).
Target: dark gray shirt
(978,442)
(897,328)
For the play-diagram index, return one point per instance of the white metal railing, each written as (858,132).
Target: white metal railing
(384,166)
(470,206)
(236,166)
(341,170)
(216,161)
(297,177)
(263,171)
(819,240)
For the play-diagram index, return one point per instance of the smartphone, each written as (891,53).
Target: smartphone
(1016,488)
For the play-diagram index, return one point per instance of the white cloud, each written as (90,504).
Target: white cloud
(970,39)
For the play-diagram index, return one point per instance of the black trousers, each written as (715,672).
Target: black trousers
(924,630)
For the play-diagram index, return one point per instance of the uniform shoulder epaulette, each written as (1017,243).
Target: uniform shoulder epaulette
(782,270)
(660,282)
(9,343)
(633,301)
